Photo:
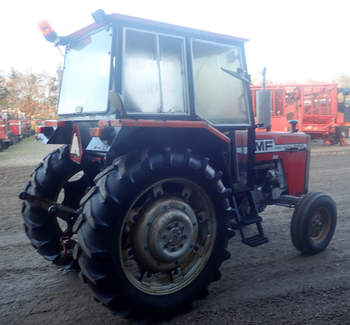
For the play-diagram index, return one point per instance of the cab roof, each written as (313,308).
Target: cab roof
(141,23)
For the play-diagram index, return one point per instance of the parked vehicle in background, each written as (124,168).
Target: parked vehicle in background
(7,137)
(14,126)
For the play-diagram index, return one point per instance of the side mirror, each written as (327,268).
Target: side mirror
(264,108)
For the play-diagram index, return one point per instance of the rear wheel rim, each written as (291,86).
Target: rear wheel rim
(167,236)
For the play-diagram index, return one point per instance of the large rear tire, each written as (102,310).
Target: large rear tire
(313,223)
(153,233)
(49,180)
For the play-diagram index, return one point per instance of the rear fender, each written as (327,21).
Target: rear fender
(200,140)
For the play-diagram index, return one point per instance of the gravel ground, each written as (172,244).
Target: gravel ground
(270,284)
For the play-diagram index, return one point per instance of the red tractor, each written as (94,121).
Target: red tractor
(160,166)
(7,138)
(16,129)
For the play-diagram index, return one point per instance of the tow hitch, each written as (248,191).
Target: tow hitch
(52,207)
(58,210)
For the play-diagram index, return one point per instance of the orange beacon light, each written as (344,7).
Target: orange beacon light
(47,31)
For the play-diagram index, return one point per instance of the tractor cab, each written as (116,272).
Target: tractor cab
(167,83)
(130,68)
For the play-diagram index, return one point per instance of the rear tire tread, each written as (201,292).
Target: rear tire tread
(41,229)
(108,200)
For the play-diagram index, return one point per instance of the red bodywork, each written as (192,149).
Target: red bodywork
(292,149)
(4,131)
(314,106)
(16,127)
(295,163)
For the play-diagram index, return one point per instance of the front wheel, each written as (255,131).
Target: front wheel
(313,223)
(153,233)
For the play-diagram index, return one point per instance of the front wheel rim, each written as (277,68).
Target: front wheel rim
(320,225)
(167,236)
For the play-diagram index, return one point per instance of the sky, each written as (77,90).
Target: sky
(296,40)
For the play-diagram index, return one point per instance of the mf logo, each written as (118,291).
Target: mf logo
(266,145)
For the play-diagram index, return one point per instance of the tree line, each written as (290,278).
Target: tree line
(35,94)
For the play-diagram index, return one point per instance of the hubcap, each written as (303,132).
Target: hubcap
(320,225)
(167,236)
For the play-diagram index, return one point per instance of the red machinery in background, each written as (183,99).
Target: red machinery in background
(19,125)
(16,128)
(6,135)
(315,106)
(13,127)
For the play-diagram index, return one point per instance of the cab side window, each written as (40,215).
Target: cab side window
(219,97)
(154,73)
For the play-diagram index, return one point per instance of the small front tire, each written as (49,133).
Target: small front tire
(313,223)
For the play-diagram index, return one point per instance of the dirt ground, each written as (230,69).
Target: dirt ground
(270,284)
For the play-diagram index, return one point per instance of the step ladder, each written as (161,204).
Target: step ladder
(253,218)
